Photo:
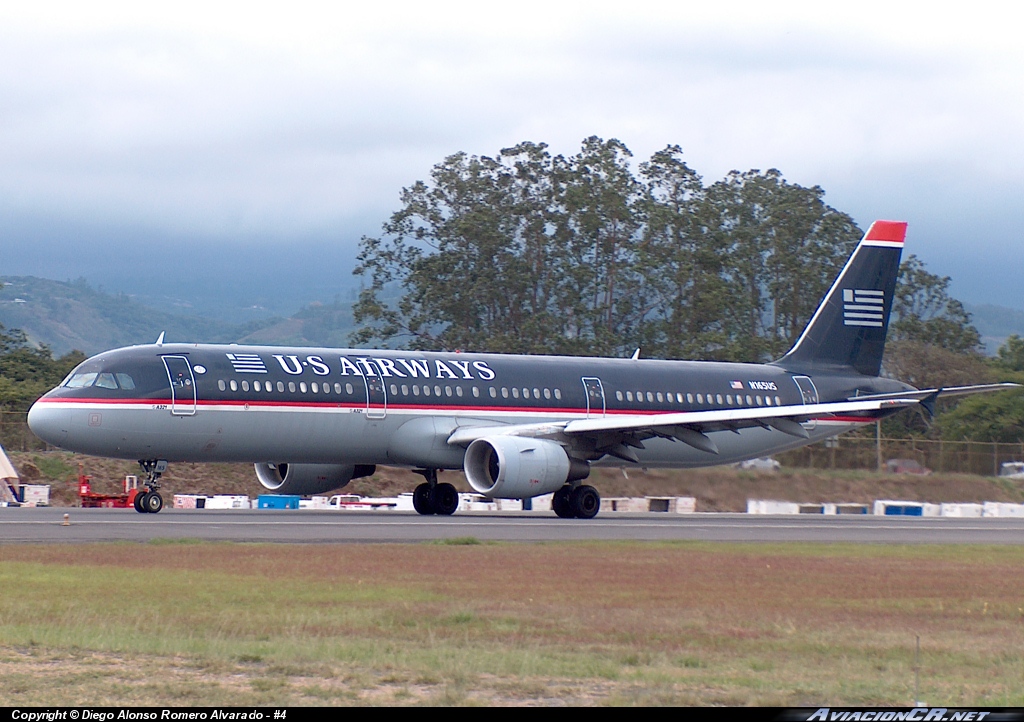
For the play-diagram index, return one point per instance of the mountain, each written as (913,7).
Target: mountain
(68,315)
(995,324)
(73,315)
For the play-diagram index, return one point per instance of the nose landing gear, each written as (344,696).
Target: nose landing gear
(150,501)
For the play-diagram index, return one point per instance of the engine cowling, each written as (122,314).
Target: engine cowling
(307,479)
(515,467)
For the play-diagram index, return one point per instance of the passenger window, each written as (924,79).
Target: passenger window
(718,398)
(494,392)
(689,398)
(629,396)
(255,385)
(448,391)
(426,390)
(476,392)
(458,391)
(245,385)
(660,397)
(515,392)
(280,387)
(618,396)
(221,385)
(337,388)
(728,399)
(547,394)
(291,387)
(314,387)
(348,389)
(504,392)
(415,390)
(394,390)
(405,390)
(437,391)
(234,385)
(558,393)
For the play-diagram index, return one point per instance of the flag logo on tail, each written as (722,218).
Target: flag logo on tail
(247,363)
(863,307)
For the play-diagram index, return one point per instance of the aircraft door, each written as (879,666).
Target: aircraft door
(376,391)
(183,385)
(808,395)
(595,396)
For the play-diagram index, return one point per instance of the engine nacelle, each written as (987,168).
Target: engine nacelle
(515,467)
(308,479)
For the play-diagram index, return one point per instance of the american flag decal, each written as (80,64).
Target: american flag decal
(247,363)
(862,307)
(736,384)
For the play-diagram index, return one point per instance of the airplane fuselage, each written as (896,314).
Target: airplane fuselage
(229,403)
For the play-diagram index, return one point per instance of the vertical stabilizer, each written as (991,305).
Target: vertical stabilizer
(848,329)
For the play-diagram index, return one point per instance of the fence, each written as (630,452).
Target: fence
(861,452)
(843,452)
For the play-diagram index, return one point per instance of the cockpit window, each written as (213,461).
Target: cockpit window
(103,380)
(80,381)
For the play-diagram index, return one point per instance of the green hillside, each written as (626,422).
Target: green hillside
(72,315)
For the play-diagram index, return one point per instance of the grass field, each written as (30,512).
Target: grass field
(511,624)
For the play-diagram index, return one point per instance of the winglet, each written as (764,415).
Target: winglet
(160,339)
(636,355)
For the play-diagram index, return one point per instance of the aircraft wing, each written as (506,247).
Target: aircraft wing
(617,433)
(923,394)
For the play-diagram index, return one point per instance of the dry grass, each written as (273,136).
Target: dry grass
(594,623)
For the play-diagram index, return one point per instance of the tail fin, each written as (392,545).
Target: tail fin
(848,329)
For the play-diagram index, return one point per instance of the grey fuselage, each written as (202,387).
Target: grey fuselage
(218,403)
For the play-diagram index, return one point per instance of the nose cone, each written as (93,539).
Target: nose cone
(49,422)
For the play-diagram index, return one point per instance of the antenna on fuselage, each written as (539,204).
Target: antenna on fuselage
(635,356)
(160,339)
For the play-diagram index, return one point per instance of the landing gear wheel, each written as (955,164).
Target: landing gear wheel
(138,502)
(422,500)
(444,499)
(153,502)
(585,502)
(560,503)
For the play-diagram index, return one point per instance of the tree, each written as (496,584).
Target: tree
(923,311)
(27,372)
(532,253)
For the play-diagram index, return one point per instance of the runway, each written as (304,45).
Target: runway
(45,526)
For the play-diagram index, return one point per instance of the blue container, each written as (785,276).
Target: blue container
(278,501)
(908,510)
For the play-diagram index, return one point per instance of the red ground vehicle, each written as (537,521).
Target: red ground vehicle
(90,500)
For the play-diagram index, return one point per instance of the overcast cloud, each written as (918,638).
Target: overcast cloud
(274,127)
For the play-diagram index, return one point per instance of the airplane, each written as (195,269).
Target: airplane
(313,419)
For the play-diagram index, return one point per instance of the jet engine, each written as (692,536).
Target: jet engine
(516,467)
(309,478)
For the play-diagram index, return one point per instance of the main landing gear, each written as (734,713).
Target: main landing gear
(149,500)
(581,502)
(433,498)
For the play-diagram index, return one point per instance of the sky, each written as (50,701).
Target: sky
(180,146)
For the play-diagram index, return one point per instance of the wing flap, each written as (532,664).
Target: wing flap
(688,426)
